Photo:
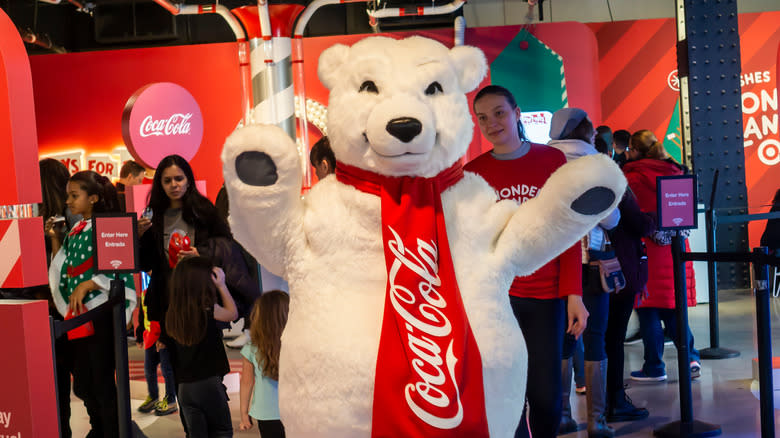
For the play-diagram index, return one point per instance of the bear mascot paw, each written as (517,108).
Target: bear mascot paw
(400,323)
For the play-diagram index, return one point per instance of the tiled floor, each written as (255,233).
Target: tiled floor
(722,395)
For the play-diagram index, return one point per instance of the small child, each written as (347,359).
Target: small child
(260,372)
(147,337)
(199,358)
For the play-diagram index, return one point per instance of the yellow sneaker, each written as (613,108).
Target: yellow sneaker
(164,408)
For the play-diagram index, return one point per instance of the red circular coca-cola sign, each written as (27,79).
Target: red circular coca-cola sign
(162,119)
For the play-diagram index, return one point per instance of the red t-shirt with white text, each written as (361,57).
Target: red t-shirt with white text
(521,179)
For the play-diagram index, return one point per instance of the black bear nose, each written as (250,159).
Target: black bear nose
(404,128)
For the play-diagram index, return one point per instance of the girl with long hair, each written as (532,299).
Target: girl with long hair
(260,373)
(76,288)
(198,299)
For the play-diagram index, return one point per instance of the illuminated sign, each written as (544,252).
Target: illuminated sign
(677,202)
(115,243)
(162,119)
(107,164)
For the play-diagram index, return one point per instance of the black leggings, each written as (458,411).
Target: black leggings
(270,428)
(542,323)
(204,408)
(93,378)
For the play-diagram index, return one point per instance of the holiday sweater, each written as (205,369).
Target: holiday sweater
(520,178)
(74,263)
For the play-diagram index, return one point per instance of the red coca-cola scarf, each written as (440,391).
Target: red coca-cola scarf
(429,371)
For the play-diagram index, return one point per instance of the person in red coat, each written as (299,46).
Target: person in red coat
(648,161)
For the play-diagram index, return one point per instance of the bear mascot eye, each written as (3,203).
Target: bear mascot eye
(369,86)
(433,88)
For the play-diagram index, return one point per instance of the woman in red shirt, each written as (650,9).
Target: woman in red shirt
(517,169)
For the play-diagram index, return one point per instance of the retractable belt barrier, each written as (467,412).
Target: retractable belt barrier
(116,303)
(712,220)
(761,261)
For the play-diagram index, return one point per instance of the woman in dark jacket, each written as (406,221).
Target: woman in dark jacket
(178,206)
(632,255)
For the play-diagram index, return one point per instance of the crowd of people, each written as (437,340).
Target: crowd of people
(200,279)
(568,298)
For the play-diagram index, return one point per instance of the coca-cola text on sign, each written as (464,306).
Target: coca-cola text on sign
(161,119)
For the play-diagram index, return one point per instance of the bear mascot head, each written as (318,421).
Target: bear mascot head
(399,265)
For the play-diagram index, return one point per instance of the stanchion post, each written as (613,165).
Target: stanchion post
(711,227)
(681,303)
(764,337)
(709,216)
(686,426)
(120,357)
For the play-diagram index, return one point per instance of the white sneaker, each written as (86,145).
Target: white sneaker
(235,330)
(240,341)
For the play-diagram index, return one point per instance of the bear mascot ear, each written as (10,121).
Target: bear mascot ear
(471,65)
(330,63)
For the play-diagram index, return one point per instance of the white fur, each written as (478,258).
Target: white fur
(328,245)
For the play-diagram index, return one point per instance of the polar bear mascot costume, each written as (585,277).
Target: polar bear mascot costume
(399,265)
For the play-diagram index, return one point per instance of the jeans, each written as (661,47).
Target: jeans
(620,307)
(653,338)
(579,364)
(542,323)
(151,359)
(204,408)
(597,304)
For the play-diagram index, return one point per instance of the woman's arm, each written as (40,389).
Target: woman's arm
(247,386)
(227,311)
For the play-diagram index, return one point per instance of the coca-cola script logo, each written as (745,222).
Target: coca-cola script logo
(435,397)
(177,124)
(162,119)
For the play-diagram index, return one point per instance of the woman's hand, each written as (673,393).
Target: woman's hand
(246,422)
(577,316)
(48,227)
(143,225)
(160,346)
(193,252)
(77,297)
